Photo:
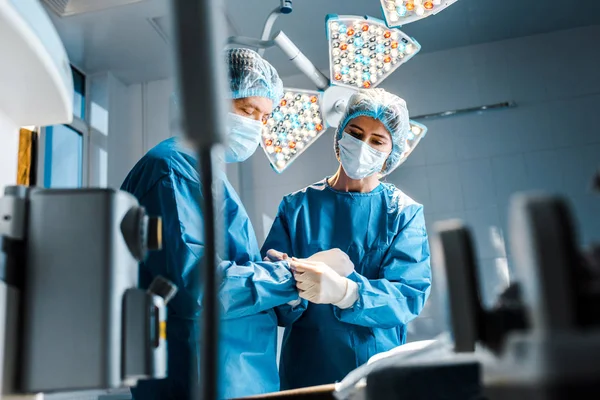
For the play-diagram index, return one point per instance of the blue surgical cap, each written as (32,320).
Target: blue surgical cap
(251,75)
(385,107)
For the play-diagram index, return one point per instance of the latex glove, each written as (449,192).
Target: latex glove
(336,259)
(274,256)
(320,284)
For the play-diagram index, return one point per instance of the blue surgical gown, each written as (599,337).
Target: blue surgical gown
(383,232)
(166,183)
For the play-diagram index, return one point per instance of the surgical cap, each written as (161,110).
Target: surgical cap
(385,107)
(251,75)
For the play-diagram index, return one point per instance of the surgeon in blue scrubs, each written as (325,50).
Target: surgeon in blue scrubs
(359,250)
(166,183)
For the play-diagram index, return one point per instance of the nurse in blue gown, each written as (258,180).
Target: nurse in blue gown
(166,183)
(361,255)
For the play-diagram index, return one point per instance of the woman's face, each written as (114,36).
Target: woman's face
(370,131)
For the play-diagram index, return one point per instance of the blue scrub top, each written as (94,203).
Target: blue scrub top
(383,232)
(166,183)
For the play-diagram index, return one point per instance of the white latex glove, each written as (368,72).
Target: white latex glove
(336,259)
(320,284)
(274,256)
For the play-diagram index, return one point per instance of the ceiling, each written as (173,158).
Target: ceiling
(124,40)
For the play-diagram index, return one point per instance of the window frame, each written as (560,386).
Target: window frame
(83,127)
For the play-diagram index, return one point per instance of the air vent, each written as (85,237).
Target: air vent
(66,8)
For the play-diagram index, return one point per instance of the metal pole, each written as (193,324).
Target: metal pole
(268,27)
(284,8)
(199,42)
(301,61)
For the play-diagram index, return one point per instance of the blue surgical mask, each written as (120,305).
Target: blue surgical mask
(358,159)
(244,136)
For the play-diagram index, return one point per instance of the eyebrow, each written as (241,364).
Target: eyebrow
(357,127)
(248,104)
(255,107)
(379,135)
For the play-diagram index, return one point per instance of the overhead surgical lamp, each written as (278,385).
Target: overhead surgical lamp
(402,12)
(363,51)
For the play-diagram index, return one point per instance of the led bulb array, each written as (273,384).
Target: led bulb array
(402,12)
(294,125)
(364,51)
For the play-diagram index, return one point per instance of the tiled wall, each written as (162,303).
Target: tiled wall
(468,166)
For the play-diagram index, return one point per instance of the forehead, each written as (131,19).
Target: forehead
(369,125)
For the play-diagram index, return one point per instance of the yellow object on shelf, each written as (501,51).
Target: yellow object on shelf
(25,156)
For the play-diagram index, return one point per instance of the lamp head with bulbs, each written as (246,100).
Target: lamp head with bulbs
(402,12)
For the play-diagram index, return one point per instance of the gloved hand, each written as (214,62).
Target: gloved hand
(336,259)
(320,284)
(274,256)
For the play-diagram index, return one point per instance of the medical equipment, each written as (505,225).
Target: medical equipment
(71,317)
(199,40)
(79,320)
(541,340)
(544,330)
(402,12)
(295,124)
(364,51)
(304,115)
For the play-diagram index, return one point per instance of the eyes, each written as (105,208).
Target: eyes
(253,113)
(372,139)
(248,111)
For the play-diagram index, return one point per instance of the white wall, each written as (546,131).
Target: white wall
(9,137)
(142,123)
(468,166)
(137,120)
(125,138)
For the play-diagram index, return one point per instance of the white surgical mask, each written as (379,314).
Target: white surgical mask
(358,158)
(244,136)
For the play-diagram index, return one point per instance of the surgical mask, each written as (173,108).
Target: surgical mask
(358,158)
(244,136)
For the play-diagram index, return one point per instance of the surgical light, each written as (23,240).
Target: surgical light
(292,127)
(402,12)
(416,133)
(364,51)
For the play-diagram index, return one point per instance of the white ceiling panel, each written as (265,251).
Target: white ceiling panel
(126,41)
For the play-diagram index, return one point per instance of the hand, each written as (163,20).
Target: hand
(318,283)
(274,256)
(336,259)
